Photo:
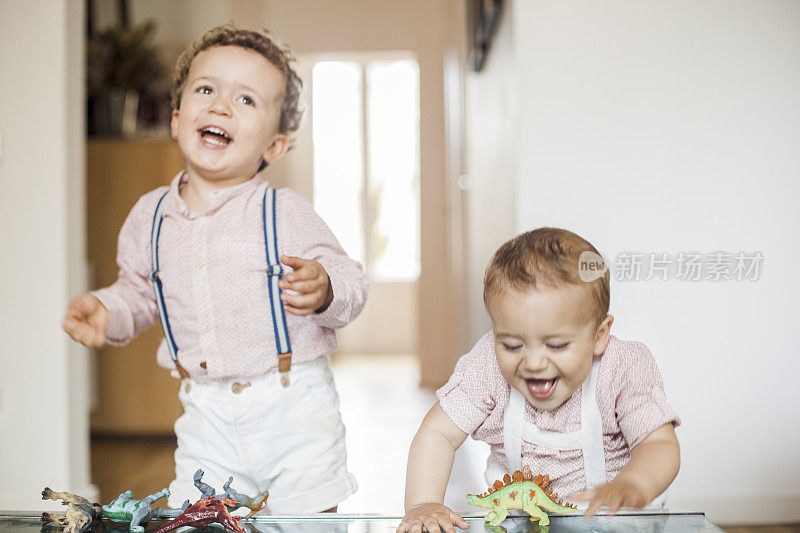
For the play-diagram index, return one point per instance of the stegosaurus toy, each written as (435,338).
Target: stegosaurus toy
(521,491)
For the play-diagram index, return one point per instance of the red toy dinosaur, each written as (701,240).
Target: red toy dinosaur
(204,512)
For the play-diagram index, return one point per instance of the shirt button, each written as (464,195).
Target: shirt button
(203,365)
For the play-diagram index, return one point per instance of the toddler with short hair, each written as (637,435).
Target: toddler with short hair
(550,389)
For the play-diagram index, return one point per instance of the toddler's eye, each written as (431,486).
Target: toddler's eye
(557,346)
(246,100)
(510,348)
(204,89)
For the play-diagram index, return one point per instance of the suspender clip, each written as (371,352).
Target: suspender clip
(284,362)
(284,365)
(181,371)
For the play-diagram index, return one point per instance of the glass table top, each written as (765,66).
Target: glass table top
(660,522)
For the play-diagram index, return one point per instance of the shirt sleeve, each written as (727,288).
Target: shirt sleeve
(467,397)
(316,241)
(641,405)
(130,300)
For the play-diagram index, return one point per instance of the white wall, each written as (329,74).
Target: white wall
(43,382)
(491,139)
(674,126)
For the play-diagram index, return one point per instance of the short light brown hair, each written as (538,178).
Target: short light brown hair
(261,42)
(546,257)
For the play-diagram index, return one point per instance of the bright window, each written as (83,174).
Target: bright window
(366,161)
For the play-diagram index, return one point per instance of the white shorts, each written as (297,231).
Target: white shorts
(287,440)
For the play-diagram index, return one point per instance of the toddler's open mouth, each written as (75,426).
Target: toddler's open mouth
(214,136)
(541,389)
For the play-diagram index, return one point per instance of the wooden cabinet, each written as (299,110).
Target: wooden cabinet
(134,395)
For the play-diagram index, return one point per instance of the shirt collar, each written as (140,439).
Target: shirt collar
(217,198)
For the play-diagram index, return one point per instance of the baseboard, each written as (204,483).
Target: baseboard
(744,510)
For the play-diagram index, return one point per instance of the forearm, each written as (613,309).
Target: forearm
(131,309)
(430,459)
(654,462)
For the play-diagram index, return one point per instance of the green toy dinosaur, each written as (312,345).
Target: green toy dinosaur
(520,491)
(124,508)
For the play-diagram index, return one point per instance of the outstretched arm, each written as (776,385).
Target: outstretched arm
(430,461)
(654,464)
(115,314)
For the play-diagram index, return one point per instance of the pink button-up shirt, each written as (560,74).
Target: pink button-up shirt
(629,392)
(213,269)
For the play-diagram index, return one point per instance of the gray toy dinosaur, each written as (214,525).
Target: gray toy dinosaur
(255,504)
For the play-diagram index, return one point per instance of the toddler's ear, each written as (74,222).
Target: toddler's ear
(174,124)
(602,335)
(279,146)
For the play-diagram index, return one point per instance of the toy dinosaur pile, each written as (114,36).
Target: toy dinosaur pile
(125,508)
(523,491)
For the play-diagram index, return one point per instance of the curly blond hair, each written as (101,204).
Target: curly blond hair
(261,42)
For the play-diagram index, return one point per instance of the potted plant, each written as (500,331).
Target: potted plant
(122,68)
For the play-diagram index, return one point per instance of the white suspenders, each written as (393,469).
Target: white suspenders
(274,272)
(589,438)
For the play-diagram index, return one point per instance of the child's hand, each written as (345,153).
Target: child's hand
(312,284)
(432,517)
(654,464)
(86,321)
(620,492)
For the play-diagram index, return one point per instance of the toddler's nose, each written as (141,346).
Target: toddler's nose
(221,106)
(535,362)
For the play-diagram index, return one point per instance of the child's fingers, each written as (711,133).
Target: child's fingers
(306,273)
(582,496)
(446,526)
(80,330)
(87,335)
(295,262)
(303,287)
(302,301)
(594,505)
(97,339)
(92,337)
(613,503)
(431,524)
(71,324)
(458,520)
(416,527)
(296,310)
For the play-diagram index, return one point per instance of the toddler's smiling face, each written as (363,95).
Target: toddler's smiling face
(545,339)
(229,114)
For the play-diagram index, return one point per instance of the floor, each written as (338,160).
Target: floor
(382,406)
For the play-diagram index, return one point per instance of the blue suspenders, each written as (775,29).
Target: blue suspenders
(274,272)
